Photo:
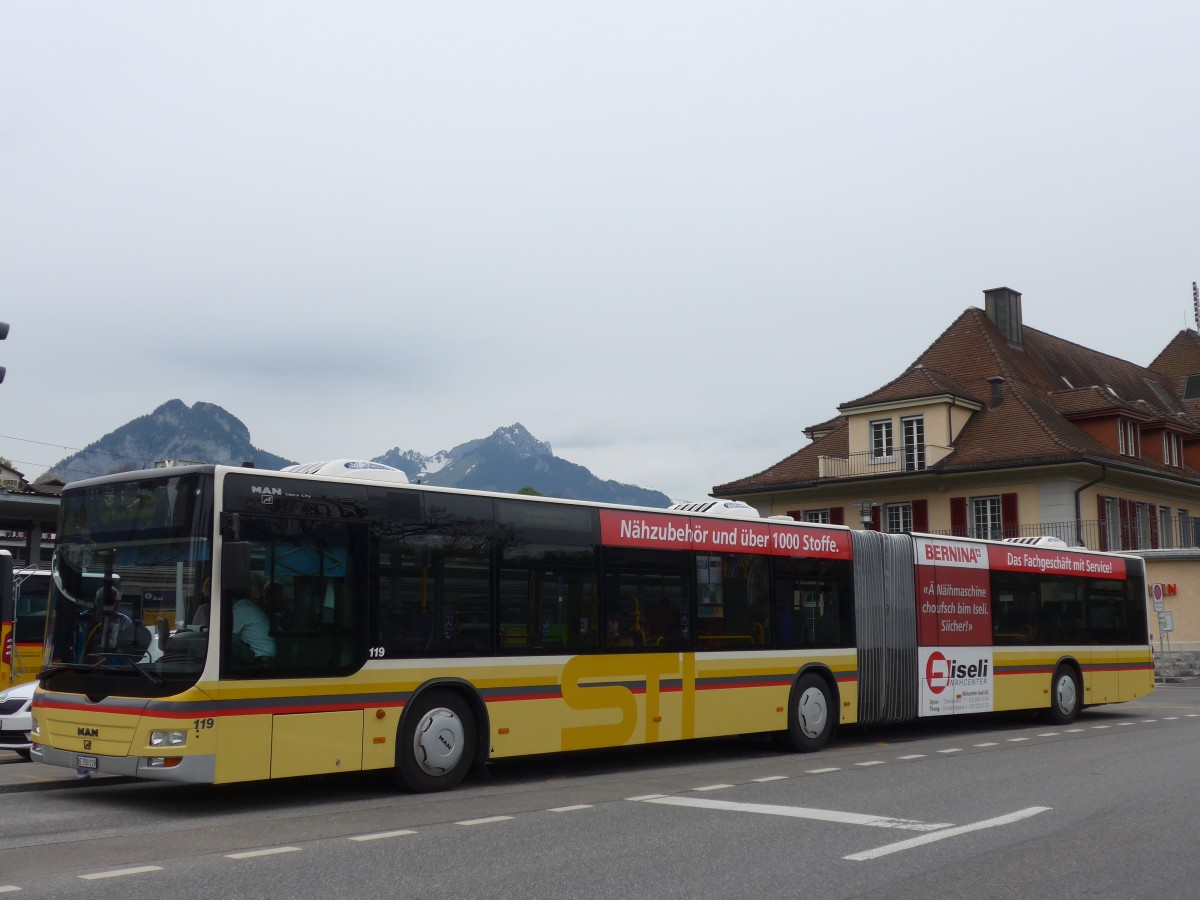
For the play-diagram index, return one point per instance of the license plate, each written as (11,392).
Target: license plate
(86,762)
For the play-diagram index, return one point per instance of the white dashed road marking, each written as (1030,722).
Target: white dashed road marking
(490,820)
(118,873)
(250,854)
(381,835)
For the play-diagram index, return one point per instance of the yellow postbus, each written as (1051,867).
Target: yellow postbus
(216,624)
(23,604)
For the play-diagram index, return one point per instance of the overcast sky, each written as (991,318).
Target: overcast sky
(665,237)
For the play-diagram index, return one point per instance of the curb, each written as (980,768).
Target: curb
(63,784)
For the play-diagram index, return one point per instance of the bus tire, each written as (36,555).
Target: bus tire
(810,715)
(1064,696)
(436,745)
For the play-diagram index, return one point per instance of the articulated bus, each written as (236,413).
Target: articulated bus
(23,603)
(255,624)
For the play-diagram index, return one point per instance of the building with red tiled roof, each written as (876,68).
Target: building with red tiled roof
(1000,430)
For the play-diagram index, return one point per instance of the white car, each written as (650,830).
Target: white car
(16,718)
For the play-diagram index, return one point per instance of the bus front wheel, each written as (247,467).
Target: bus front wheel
(436,747)
(1064,696)
(810,718)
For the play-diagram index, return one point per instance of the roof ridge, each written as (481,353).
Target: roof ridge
(1092,350)
(982,322)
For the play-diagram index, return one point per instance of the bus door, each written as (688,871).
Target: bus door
(289,641)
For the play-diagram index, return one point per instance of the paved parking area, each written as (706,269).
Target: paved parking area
(18,775)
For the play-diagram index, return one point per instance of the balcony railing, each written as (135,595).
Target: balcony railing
(902,459)
(1096,535)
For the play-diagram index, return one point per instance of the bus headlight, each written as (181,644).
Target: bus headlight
(168,738)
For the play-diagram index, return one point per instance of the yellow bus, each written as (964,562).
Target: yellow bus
(23,599)
(254,624)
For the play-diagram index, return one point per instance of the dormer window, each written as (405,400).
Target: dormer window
(881,440)
(1172,449)
(1127,438)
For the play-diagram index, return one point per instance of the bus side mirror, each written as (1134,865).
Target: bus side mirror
(235,566)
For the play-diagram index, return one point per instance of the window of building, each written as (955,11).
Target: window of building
(1186,538)
(1127,437)
(898,517)
(819,516)
(985,518)
(913,430)
(1141,518)
(1165,537)
(1112,524)
(881,440)
(1172,449)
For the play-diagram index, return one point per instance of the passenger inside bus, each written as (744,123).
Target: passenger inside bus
(107,629)
(200,616)
(251,632)
(622,632)
(275,605)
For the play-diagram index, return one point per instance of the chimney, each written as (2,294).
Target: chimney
(997,384)
(1003,306)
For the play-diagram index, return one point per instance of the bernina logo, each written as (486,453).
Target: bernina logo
(87,732)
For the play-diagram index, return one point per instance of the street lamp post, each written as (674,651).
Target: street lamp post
(866,513)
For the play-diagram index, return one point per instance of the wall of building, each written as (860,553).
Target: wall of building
(942,420)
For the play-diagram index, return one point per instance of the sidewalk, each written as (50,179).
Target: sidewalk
(18,775)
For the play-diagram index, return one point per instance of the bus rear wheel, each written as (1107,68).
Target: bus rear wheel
(810,717)
(436,746)
(1064,696)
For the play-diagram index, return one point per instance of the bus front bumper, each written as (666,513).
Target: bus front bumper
(187,769)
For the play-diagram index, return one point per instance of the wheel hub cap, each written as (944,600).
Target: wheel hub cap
(438,741)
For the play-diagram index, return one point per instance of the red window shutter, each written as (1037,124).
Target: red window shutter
(1153,527)
(920,515)
(1009,522)
(837,515)
(1103,517)
(875,518)
(797,514)
(958,517)
(1126,529)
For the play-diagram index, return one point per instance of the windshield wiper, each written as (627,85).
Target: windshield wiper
(145,673)
(100,667)
(59,668)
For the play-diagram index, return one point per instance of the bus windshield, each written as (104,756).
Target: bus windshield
(130,571)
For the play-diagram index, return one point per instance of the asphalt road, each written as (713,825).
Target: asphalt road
(990,807)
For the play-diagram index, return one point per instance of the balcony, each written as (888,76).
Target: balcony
(903,459)
(1096,535)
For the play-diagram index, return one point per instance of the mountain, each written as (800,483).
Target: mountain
(508,460)
(203,432)
(511,458)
